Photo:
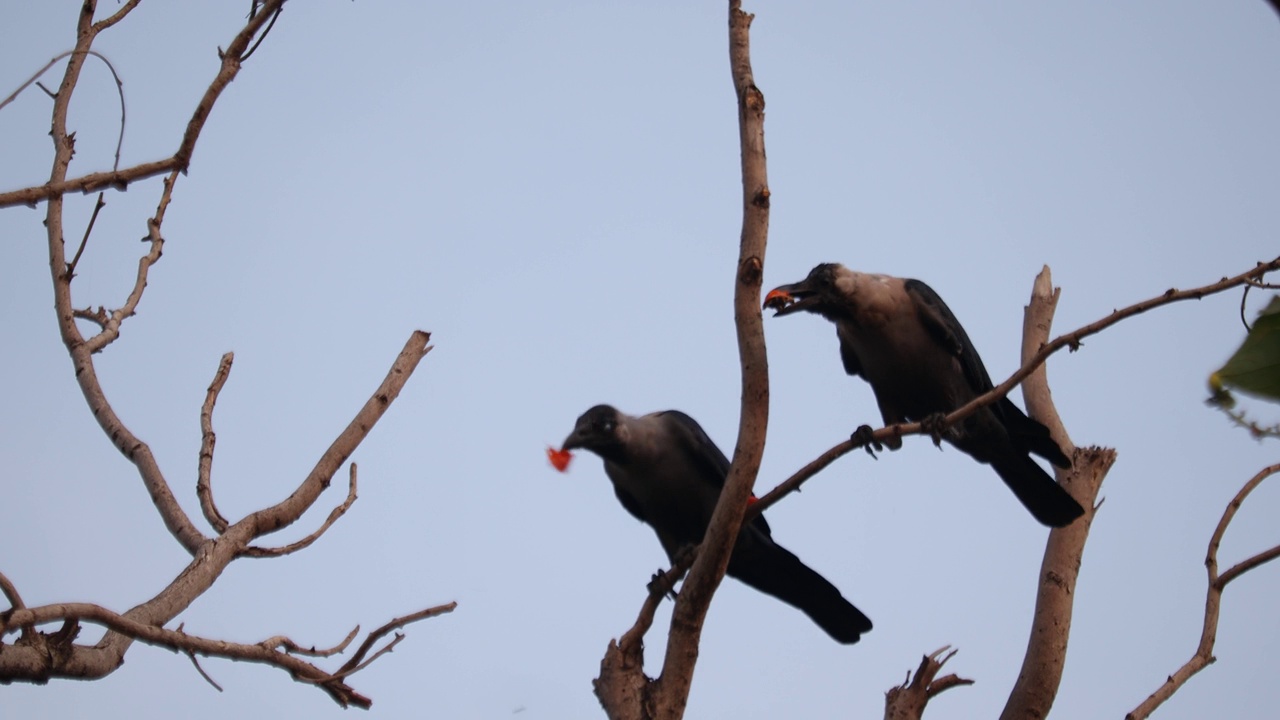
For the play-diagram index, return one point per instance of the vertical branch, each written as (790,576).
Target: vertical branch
(1037,685)
(672,691)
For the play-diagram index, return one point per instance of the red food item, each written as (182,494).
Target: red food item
(752,500)
(559,458)
(777,299)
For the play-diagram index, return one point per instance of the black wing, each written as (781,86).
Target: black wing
(711,462)
(943,325)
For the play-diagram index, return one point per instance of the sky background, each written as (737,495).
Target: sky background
(552,189)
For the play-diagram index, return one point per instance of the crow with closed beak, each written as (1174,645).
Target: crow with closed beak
(904,340)
(668,473)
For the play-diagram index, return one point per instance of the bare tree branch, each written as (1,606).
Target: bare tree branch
(208,439)
(908,700)
(622,687)
(1037,686)
(181,641)
(708,569)
(105,180)
(334,514)
(58,185)
(117,17)
(38,657)
(1203,656)
(293,648)
(284,513)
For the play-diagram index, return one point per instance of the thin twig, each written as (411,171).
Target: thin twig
(182,641)
(334,514)
(117,17)
(203,674)
(97,208)
(119,83)
(1203,656)
(349,666)
(264,34)
(208,439)
(293,648)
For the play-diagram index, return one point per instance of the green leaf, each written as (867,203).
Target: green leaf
(1255,368)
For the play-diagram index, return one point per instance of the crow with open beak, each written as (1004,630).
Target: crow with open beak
(904,340)
(668,473)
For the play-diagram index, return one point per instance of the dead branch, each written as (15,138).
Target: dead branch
(908,700)
(181,641)
(284,513)
(208,439)
(38,657)
(293,648)
(1034,692)
(37,663)
(334,514)
(622,688)
(1203,656)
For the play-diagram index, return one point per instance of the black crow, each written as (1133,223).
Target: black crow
(904,340)
(668,473)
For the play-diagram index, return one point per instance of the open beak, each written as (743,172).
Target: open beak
(786,299)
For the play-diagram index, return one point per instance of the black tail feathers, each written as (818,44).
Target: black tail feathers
(1031,436)
(1045,498)
(772,569)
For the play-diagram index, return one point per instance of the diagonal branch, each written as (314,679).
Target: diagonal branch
(144,622)
(334,514)
(58,185)
(1203,656)
(287,511)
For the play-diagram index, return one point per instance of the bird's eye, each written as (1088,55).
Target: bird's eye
(607,426)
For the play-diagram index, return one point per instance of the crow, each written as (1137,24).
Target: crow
(904,340)
(668,474)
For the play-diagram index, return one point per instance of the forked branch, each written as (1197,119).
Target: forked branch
(1203,656)
(908,700)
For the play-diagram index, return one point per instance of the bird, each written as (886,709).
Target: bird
(899,336)
(668,473)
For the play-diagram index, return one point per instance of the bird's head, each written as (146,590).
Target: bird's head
(601,430)
(823,292)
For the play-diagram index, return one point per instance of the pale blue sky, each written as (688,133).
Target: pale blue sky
(552,189)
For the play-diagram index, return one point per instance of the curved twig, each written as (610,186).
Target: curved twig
(1203,656)
(208,439)
(356,662)
(334,514)
(293,648)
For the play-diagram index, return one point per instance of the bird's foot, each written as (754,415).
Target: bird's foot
(663,583)
(935,425)
(865,437)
